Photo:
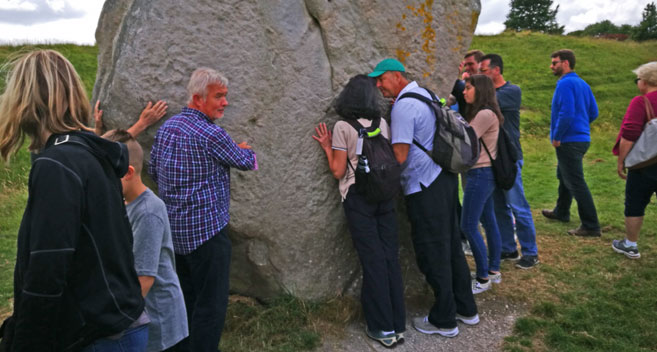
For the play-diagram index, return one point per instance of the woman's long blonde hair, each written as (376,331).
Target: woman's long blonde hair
(44,94)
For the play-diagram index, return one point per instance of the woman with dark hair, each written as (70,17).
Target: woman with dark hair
(484,115)
(373,226)
(75,285)
(641,183)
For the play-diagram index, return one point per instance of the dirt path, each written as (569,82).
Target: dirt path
(497,319)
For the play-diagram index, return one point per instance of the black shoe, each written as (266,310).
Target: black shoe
(527,262)
(511,256)
(552,216)
(582,232)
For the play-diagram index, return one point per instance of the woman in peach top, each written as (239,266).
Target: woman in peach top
(483,114)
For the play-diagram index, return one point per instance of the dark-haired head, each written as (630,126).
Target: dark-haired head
(495,61)
(359,99)
(485,97)
(565,55)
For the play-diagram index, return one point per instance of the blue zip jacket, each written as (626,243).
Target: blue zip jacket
(573,109)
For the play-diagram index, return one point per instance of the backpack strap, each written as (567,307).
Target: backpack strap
(370,132)
(486,148)
(426,100)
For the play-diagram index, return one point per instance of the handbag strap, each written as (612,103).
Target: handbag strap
(650,113)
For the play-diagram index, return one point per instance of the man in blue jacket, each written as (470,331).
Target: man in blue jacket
(573,109)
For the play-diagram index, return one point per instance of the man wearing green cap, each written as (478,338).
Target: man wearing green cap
(431,197)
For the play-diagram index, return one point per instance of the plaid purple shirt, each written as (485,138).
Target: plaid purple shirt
(190,162)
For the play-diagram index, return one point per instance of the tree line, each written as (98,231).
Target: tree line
(537,15)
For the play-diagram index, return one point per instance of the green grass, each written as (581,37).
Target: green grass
(280,325)
(583,297)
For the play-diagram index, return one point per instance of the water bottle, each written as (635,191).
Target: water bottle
(363,164)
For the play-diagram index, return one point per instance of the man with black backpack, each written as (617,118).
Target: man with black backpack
(511,204)
(431,196)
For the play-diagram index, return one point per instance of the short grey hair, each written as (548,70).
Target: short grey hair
(647,73)
(201,78)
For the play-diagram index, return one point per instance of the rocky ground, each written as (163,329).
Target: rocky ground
(497,319)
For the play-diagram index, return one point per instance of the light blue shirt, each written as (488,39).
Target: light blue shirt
(414,119)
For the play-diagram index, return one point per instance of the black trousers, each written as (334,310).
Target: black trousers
(203,278)
(572,184)
(437,242)
(373,228)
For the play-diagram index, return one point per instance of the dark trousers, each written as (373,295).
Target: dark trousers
(373,228)
(437,242)
(203,278)
(570,173)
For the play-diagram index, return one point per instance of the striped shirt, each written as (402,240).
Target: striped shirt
(190,162)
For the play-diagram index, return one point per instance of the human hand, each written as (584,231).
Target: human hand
(98,119)
(323,137)
(244,145)
(556,143)
(153,113)
(622,171)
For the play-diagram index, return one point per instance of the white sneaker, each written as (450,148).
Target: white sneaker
(494,278)
(473,320)
(478,287)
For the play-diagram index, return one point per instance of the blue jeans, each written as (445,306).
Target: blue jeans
(133,340)
(513,204)
(570,173)
(478,204)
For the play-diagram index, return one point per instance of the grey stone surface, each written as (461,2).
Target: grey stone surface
(286,61)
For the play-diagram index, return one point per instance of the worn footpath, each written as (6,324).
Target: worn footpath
(497,319)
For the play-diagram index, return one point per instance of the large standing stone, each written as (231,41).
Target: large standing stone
(286,61)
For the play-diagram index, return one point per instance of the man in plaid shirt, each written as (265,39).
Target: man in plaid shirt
(190,161)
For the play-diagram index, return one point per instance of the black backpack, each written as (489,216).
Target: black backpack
(455,145)
(504,166)
(378,172)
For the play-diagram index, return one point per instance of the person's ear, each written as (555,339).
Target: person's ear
(131,172)
(198,100)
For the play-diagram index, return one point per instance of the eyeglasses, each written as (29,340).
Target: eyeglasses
(554,63)
(636,80)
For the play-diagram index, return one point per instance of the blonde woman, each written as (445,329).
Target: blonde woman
(640,183)
(75,286)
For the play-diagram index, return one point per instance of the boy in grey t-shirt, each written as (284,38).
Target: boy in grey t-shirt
(153,252)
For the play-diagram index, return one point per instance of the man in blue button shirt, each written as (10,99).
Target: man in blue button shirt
(573,110)
(431,197)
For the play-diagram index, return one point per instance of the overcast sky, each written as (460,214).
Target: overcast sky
(74,21)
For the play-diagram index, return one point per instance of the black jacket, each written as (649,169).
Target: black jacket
(74,280)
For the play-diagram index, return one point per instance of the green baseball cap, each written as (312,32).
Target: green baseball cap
(387,65)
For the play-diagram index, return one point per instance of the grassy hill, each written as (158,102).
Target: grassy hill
(584,296)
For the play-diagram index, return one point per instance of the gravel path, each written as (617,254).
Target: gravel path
(497,319)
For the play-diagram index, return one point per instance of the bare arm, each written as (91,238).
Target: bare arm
(337,159)
(401,151)
(623,148)
(146,282)
(150,115)
(98,119)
